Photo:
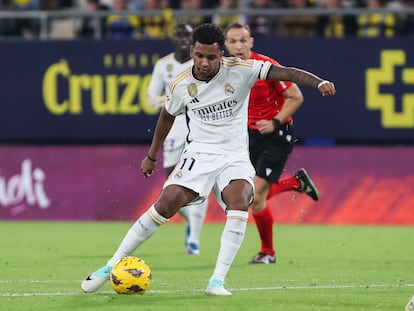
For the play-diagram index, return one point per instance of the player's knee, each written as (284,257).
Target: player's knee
(173,198)
(238,195)
(239,202)
(163,209)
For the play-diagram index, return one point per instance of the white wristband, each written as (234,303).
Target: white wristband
(322,83)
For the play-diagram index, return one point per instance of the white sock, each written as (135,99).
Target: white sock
(196,216)
(185,212)
(231,240)
(145,226)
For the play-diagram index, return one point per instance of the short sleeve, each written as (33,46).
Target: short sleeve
(174,104)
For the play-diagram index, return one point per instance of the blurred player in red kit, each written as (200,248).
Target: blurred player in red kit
(271,139)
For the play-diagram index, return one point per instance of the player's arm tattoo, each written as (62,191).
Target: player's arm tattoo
(296,75)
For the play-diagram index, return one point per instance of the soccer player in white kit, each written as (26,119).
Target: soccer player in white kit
(212,95)
(165,69)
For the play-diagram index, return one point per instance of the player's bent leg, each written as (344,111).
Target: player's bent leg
(290,183)
(146,225)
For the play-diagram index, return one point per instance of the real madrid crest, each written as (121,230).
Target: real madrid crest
(192,90)
(228,89)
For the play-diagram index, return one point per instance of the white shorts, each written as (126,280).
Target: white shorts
(174,142)
(201,172)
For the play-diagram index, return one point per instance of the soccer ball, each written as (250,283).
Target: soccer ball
(131,275)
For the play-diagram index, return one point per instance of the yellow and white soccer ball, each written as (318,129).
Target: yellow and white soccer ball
(131,275)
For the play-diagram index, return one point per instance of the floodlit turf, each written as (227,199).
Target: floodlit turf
(318,268)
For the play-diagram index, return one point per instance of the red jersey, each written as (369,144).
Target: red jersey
(266,97)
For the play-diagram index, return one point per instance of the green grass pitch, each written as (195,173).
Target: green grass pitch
(319,268)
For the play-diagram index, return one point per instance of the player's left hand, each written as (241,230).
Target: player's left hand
(147,166)
(327,88)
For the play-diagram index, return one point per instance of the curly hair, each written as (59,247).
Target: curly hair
(209,34)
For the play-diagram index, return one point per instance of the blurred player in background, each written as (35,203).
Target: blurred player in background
(212,94)
(165,69)
(271,139)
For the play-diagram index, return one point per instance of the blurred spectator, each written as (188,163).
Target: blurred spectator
(211,4)
(156,26)
(25,5)
(350,3)
(376,24)
(90,26)
(299,25)
(405,21)
(263,25)
(173,4)
(336,25)
(222,18)
(125,26)
(137,5)
(58,4)
(8,26)
(28,27)
(193,20)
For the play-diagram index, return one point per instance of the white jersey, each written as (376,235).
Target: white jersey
(165,69)
(217,109)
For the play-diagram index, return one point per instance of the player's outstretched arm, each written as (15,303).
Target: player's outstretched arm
(163,127)
(301,77)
